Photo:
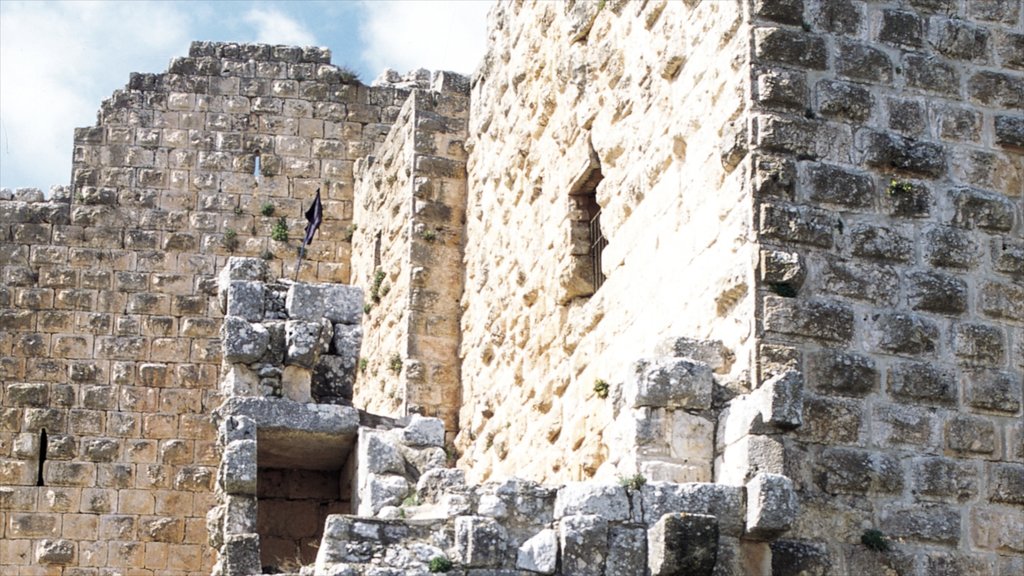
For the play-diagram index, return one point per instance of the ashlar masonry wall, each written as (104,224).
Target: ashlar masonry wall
(407,255)
(889,173)
(636,96)
(109,326)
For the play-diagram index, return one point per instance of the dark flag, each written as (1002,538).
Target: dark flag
(314,216)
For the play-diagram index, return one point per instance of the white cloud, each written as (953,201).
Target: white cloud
(58,61)
(439,35)
(273,27)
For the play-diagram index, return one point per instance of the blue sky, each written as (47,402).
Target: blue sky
(59,60)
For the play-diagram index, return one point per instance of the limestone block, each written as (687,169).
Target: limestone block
(539,553)
(243,342)
(435,483)
(669,382)
(723,502)
(332,379)
(627,550)
(584,544)
(378,454)
(423,459)
(683,545)
(608,502)
(303,343)
(240,555)
(58,551)
(480,542)
(710,352)
(239,380)
(215,526)
(236,428)
(346,342)
(771,505)
(250,269)
(296,384)
(752,454)
(380,490)
(781,400)
(245,300)
(238,468)
(423,431)
(239,515)
(491,505)
(338,303)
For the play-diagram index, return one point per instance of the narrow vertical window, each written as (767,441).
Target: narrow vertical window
(42,456)
(376,251)
(585,276)
(256,166)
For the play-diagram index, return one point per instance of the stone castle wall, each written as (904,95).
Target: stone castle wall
(644,92)
(888,171)
(109,325)
(407,255)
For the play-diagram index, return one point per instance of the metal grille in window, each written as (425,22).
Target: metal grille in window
(597,244)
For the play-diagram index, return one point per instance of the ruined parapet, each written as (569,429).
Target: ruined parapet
(407,254)
(582,528)
(287,431)
(293,340)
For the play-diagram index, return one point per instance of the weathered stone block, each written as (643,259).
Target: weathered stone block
(379,491)
(1008,256)
(378,454)
(781,400)
(994,391)
(422,431)
(238,468)
(480,542)
(584,544)
(860,281)
(1002,301)
(928,73)
(683,544)
(579,498)
(936,523)
(1006,482)
(938,478)
(627,550)
(863,62)
(780,88)
(782,11)
(979,344)
(798,224)
(724,503)
(55,552)
(901,333)
(971,434)
(245,300)
(842,101)
(797,557)
(539,553)
(783,272)
(833,185)
(243,342)
(771,505)
(302,343)
(669,383)
(901,28)
(923,382)
(889,151)
(831,421)
(240,555)
(787,46)
(816,319)
(842,373)
(997,89)
(881,243)
(336,302)
(948,247)
(854,471)
(936,292)
(976,208)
